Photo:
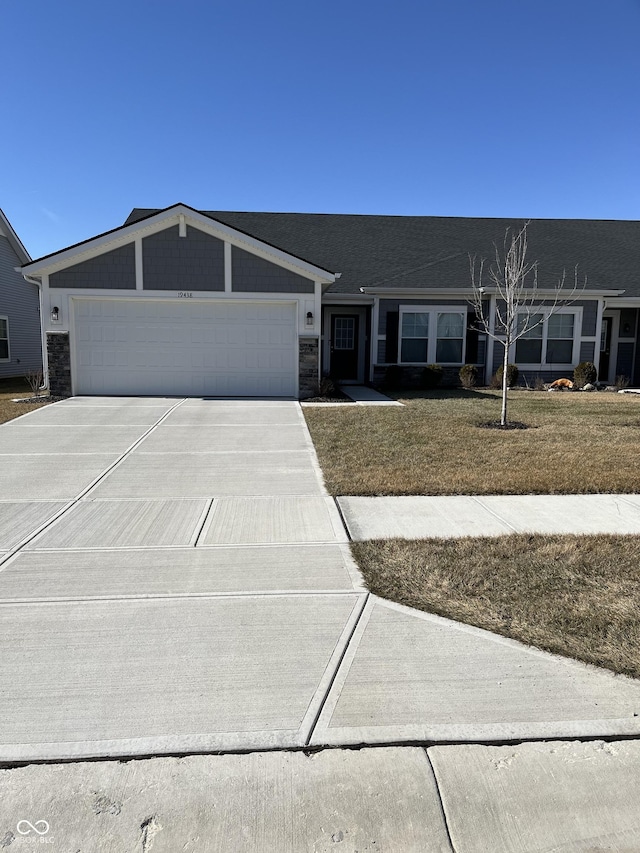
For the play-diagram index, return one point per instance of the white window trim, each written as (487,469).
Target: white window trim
(575,352)
(8,339)
(433,338)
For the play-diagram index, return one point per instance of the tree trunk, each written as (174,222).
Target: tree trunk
(503,413)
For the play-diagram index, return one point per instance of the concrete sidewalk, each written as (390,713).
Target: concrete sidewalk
(359,395)
(524,798)
(426,517)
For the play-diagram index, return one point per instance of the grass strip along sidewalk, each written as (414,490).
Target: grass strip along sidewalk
(573,595)
(576,443)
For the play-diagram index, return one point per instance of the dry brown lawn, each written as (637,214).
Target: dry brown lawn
(577,443)
(13,389)
(575,596)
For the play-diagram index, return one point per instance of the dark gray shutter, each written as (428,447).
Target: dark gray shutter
(471,356)
(393,321)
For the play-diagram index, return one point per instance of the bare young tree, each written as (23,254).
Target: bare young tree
(35,379)
(520,306)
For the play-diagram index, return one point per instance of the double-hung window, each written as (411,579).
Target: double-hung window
(414,340)
(431,335)
(560,334)
(529,346)
(549,340)
(4,339)
(450,342)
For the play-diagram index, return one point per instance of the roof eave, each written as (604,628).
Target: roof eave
(487,291)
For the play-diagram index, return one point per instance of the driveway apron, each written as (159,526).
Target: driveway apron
(173,578)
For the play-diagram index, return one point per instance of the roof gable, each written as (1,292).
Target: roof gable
(155,221)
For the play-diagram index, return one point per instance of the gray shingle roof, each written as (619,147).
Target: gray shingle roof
(432,251)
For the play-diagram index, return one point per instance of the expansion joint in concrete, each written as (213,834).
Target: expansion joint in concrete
(342,518)
(329,684)
(443,812)
(493,513)
(71,503)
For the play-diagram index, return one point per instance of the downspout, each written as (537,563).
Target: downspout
(43,338)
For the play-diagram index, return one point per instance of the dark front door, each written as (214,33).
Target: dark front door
(344,347)
(605,350)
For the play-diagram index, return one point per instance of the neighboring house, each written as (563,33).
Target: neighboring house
(213,303)
(20,335)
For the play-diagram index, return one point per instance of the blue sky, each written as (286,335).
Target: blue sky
(450,108)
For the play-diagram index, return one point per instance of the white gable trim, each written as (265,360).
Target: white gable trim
(165,219)
(6,230)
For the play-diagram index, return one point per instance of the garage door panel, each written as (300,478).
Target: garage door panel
(185,348)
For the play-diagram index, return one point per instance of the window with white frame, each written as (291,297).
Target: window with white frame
(4,339)
(550,339)
(414,336)
(431,335)
(450,341)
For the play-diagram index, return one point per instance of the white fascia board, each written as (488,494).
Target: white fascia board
(548,292)
(349,298)
(158,222)
(577,295)
(464,293)
(419,292)
(98,245)
(629,302)
(16,243)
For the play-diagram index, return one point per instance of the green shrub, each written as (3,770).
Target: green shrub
(392,377)
(431,376)
(512,375)
(468,376)
(585,373)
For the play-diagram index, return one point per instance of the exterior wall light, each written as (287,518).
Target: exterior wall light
(309,318)
(55,314)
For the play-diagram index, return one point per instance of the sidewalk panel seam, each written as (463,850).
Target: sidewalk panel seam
(86,490)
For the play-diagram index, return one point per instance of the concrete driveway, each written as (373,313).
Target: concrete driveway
(174,578)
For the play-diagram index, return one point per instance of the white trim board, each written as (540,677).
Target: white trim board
(166,219)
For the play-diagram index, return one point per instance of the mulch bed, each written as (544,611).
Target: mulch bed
(508,425)
(40,399)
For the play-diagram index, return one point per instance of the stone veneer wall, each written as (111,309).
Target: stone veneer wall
(308,366)
(59,355)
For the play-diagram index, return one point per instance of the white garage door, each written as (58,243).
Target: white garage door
(185,348)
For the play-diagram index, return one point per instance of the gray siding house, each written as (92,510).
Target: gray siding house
(218,303)
(20,337)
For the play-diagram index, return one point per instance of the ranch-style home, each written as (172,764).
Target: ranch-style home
(214,303)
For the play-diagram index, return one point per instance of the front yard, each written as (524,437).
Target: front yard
(572,595)
(576,443)
(11,389)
